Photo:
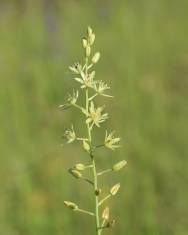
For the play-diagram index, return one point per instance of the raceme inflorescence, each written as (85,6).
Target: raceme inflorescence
(94,116)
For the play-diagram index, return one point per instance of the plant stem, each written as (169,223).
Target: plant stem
(81,139)
(97,221)
(87,180)
(85,212)
(96,199)
(102,227)
(103,172)
(104,199)
(92,97)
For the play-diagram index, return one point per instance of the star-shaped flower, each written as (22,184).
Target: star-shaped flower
(95,115)
(110,141)
(76,68)
(71,100)
(100,87)
(86,80)
(70,135)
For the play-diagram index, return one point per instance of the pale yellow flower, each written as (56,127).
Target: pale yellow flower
(76,68)
(87,80)
(110,141)
(70,135)
(95,115)
(100,87)
(71,100)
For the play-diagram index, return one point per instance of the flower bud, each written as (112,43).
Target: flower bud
(71,205)
(106,213)
(86,146)
(75,173)
(96,58)
(118,166)
(84,42)
(88,51)
(79,167)
(91,39)
(115,189)
(89,31)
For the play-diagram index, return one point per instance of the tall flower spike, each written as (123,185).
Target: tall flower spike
(110,141)
(95,115)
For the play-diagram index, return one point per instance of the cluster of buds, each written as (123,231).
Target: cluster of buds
(94,116)
(88,41)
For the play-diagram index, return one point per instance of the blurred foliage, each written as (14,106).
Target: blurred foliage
(145,60)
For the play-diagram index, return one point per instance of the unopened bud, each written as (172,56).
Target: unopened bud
(118,166)
(79,167)
(115,189)
(86,146)
(71,205)
(91,39)
(106,213)
(89,31)
(96,58)
(75,173)
(84,42)
(88,51)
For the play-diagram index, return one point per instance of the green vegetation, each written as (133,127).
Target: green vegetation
(144,45)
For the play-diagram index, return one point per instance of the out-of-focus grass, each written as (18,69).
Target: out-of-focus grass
(145,60)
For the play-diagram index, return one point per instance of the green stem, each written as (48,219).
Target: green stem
(92,97)
(104,199)
(102,227)
(87,180)
(87,108)
(97,221)
(103,172)
(81,139)
(100,145)
(79,107)
(85,212)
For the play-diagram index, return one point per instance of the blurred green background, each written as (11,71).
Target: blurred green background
(145,60)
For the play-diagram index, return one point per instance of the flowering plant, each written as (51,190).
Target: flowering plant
(94,117)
